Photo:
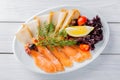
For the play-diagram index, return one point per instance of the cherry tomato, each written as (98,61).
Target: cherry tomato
(81,20)
(84,47)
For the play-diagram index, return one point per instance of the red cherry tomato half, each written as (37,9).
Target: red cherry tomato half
(84,47)
(82,20)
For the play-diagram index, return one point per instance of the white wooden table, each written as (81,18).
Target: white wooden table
(15,12)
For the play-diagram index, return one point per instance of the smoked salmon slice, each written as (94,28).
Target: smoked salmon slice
(62,57)
(51,57)
(85,54)
(42,62)
(72,53)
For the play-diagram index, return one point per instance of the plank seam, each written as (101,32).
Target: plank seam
(24,22)
(100,54)
(12,21)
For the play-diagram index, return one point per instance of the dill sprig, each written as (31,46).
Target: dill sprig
(46,37)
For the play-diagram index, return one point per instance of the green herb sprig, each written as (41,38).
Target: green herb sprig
(46,37)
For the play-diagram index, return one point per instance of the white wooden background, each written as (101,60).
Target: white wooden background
(15,12)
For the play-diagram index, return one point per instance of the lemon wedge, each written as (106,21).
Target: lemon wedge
(79,31)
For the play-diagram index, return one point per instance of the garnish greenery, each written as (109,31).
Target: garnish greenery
(47,37)
(63,33)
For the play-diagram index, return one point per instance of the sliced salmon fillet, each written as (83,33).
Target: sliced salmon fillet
(42,62)
(85,54)
(72,53)
(62,57)
(51,57)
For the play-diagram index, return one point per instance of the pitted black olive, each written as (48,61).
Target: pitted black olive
(32,46)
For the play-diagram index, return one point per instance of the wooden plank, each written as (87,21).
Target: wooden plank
(113,44)
(100,69)
(21,10)
(7,32)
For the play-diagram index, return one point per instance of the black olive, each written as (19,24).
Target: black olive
(32,47)
(94,36)
(80,39)
(92,47)
(87,37)
(73,22)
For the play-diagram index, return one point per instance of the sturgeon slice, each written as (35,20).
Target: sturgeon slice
(33,26)
(58,18)
(72,14)
(43,19)
(24,35)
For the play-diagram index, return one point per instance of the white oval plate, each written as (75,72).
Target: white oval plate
(19,51)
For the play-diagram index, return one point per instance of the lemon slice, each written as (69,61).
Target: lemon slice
(79,31)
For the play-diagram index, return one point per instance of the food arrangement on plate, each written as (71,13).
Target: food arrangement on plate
(58,39)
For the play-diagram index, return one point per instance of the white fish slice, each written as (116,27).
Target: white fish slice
(24,35)
(72,14)
(33,26)
(43,19)
(58,18)
(29,30)
(36,23)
